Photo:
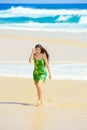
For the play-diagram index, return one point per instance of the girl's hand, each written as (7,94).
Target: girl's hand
(50,77)
(33,50)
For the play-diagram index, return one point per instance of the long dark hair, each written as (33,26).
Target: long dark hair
(43,50)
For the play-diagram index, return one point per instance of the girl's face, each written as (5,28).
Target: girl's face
(37,50)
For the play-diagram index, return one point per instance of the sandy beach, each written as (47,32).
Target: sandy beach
(16,45)
(64,101)
(64,105)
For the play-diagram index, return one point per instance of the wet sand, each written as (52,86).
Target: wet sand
(64,105)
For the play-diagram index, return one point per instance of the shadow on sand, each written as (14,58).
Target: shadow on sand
(18,103)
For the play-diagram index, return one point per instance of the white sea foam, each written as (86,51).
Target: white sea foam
(64,18)
(20,11)
(59,71)
(83,20)
(47,27)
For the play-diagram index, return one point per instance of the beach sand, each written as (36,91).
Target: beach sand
(16,45)
(64,105)
(64,101)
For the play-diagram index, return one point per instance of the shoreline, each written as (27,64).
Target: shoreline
(51,62)
(66,71)
(43,29)
(28,77)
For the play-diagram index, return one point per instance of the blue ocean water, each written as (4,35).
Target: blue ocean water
(66,17)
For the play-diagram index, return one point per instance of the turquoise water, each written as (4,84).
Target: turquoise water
(59,71)
(68,17)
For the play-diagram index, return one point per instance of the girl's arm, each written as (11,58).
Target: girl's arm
(47,65)
(31,56)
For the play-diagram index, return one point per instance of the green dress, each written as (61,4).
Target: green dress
(39,72)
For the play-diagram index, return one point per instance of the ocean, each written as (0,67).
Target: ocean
(50,17)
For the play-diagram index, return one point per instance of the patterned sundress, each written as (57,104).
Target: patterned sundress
(39,72)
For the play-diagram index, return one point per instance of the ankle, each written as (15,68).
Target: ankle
(39,102)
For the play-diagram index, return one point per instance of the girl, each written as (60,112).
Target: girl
(41,59)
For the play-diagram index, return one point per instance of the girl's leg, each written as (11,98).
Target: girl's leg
(39,85)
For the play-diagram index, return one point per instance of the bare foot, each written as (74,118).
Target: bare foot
(39,103)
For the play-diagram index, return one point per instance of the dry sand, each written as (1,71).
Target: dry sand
(64,105)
